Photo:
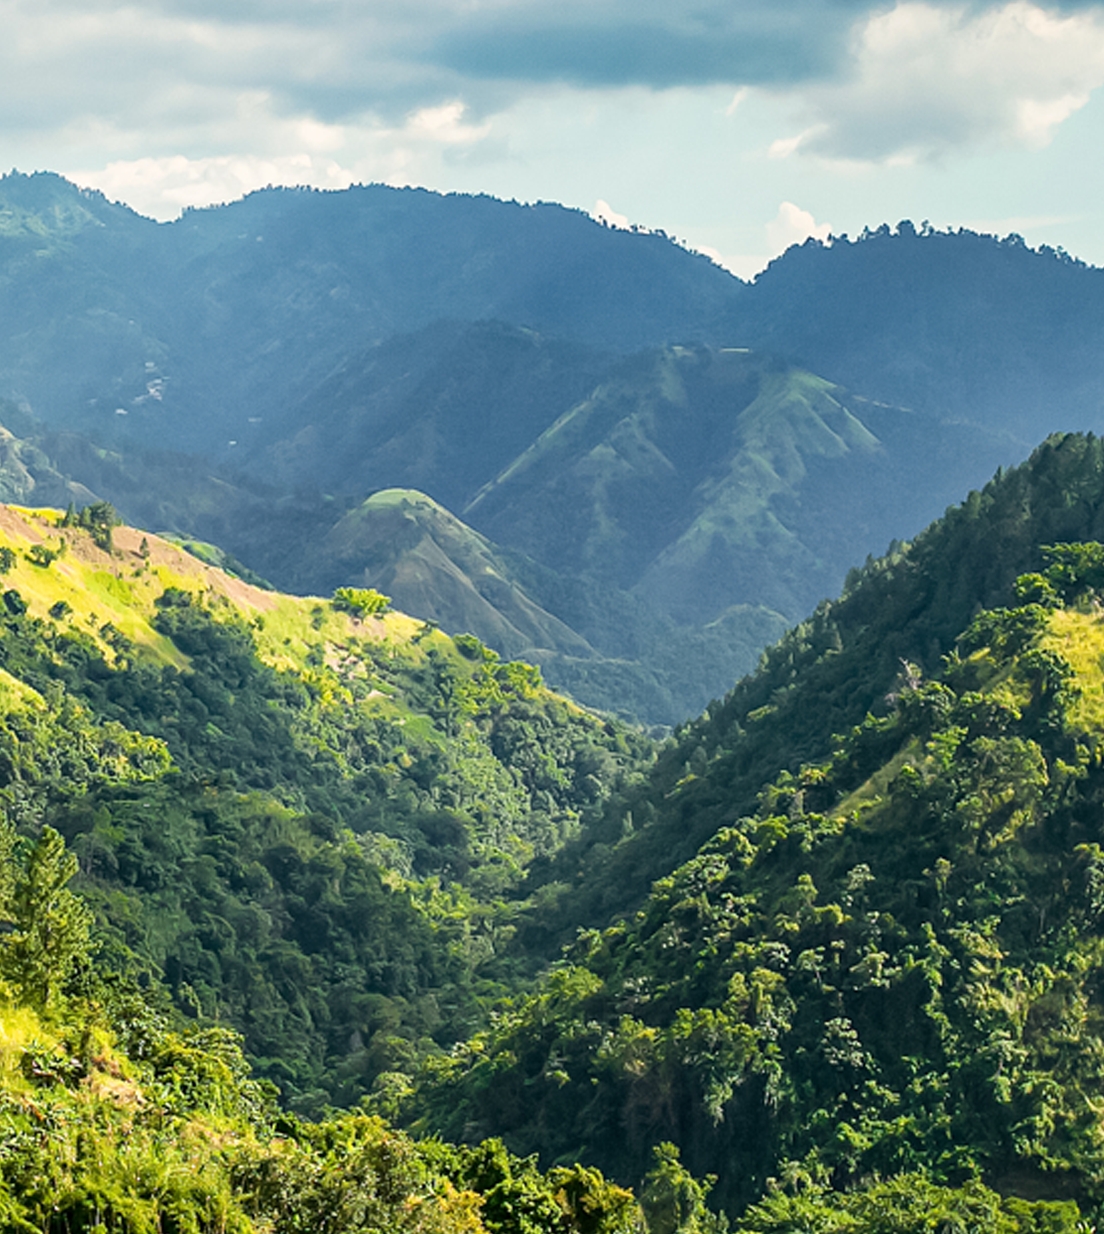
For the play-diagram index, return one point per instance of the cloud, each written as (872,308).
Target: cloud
(605,213)
(182,62)
(792,225)
(325,156)
(927,79)
(328,89)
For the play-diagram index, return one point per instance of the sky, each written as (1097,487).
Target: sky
(737,126)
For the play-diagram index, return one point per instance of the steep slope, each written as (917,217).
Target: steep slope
(442,410)
(832,669)
(310,817)
(407,545)
(191,334)
(702,478)
(886,958)
(958,323)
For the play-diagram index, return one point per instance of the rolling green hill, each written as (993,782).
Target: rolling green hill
(405,544)
(308,817)
(643,544)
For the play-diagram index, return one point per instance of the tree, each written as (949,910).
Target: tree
(360,601)
(51,934)
(673,1200)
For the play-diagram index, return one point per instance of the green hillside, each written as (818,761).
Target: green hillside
(112,1118)
(883,959)
(823,677)
(675,516)
(867,999)
(405,544)
(310,818)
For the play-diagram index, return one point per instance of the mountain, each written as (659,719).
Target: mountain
(582,398)
(829,671)
(872,946)
(308,818)
(657,532)
(953,322)
(189,335)
(407,545)
(867,996)
(702,478)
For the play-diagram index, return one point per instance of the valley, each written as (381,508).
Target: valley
(510,729)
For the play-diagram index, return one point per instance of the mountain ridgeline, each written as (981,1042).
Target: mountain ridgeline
(582,397)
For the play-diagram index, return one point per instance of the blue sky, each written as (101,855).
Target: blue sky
(738,126)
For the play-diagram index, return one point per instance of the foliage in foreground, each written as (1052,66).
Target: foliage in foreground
(894,965)
(111,1119)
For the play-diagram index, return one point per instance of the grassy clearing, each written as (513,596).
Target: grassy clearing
(1079,638)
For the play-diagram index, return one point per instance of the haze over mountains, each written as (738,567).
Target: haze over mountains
(658,465)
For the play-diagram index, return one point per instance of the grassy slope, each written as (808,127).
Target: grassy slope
(119,588)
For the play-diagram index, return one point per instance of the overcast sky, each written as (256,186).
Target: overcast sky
(739,126)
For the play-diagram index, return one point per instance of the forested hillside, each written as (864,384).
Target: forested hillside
(823,676)
(311,818)
(114,1118)
(880,951)
(861,992)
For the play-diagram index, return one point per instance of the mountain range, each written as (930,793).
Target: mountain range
(618,460)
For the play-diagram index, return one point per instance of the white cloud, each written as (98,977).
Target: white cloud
(162,187)
(792,225)
(605,213)
(783,147)
(319,155)
(737,99)
(926,79)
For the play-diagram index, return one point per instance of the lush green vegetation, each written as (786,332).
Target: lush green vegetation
(114,1119)
(889,964)
(863,993)
(310,823)
(822,678)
